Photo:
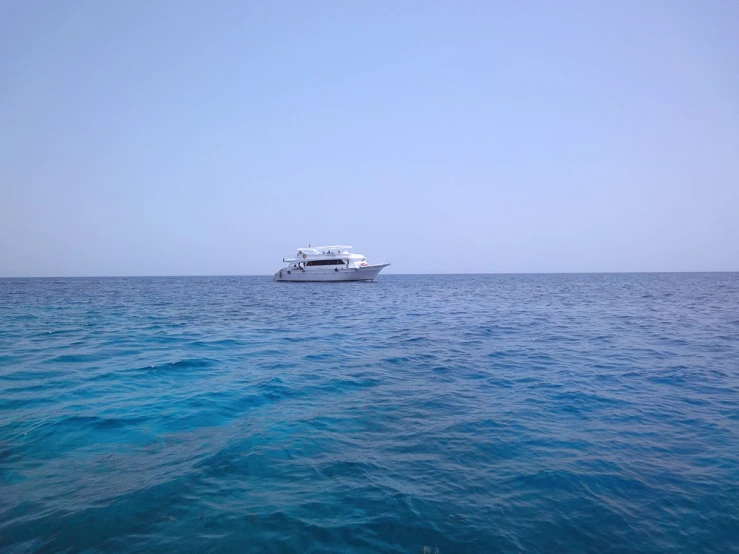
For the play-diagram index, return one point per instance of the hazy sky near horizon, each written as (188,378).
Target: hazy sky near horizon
(207,138)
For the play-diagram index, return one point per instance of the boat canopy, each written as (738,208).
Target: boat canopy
(319,250)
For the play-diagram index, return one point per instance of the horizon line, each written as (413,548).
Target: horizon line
(194,275)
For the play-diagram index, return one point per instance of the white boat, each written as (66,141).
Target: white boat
(328,263)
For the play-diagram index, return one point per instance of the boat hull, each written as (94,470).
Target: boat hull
(366,273)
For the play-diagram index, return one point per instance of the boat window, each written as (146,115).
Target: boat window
(325,262)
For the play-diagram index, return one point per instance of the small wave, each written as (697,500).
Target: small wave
(320,357)
(74,359)
(171,367)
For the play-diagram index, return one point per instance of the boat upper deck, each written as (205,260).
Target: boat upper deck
(325,250)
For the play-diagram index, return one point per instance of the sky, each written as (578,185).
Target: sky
(213,138)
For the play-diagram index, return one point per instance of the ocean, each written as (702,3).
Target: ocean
(424,414)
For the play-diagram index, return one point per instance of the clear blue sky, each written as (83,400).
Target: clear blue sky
(192,138)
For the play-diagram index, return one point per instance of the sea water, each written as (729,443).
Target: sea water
(413,414)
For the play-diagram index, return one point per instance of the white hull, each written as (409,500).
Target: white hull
(329,274)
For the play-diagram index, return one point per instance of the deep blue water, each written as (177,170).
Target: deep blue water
(415,414)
